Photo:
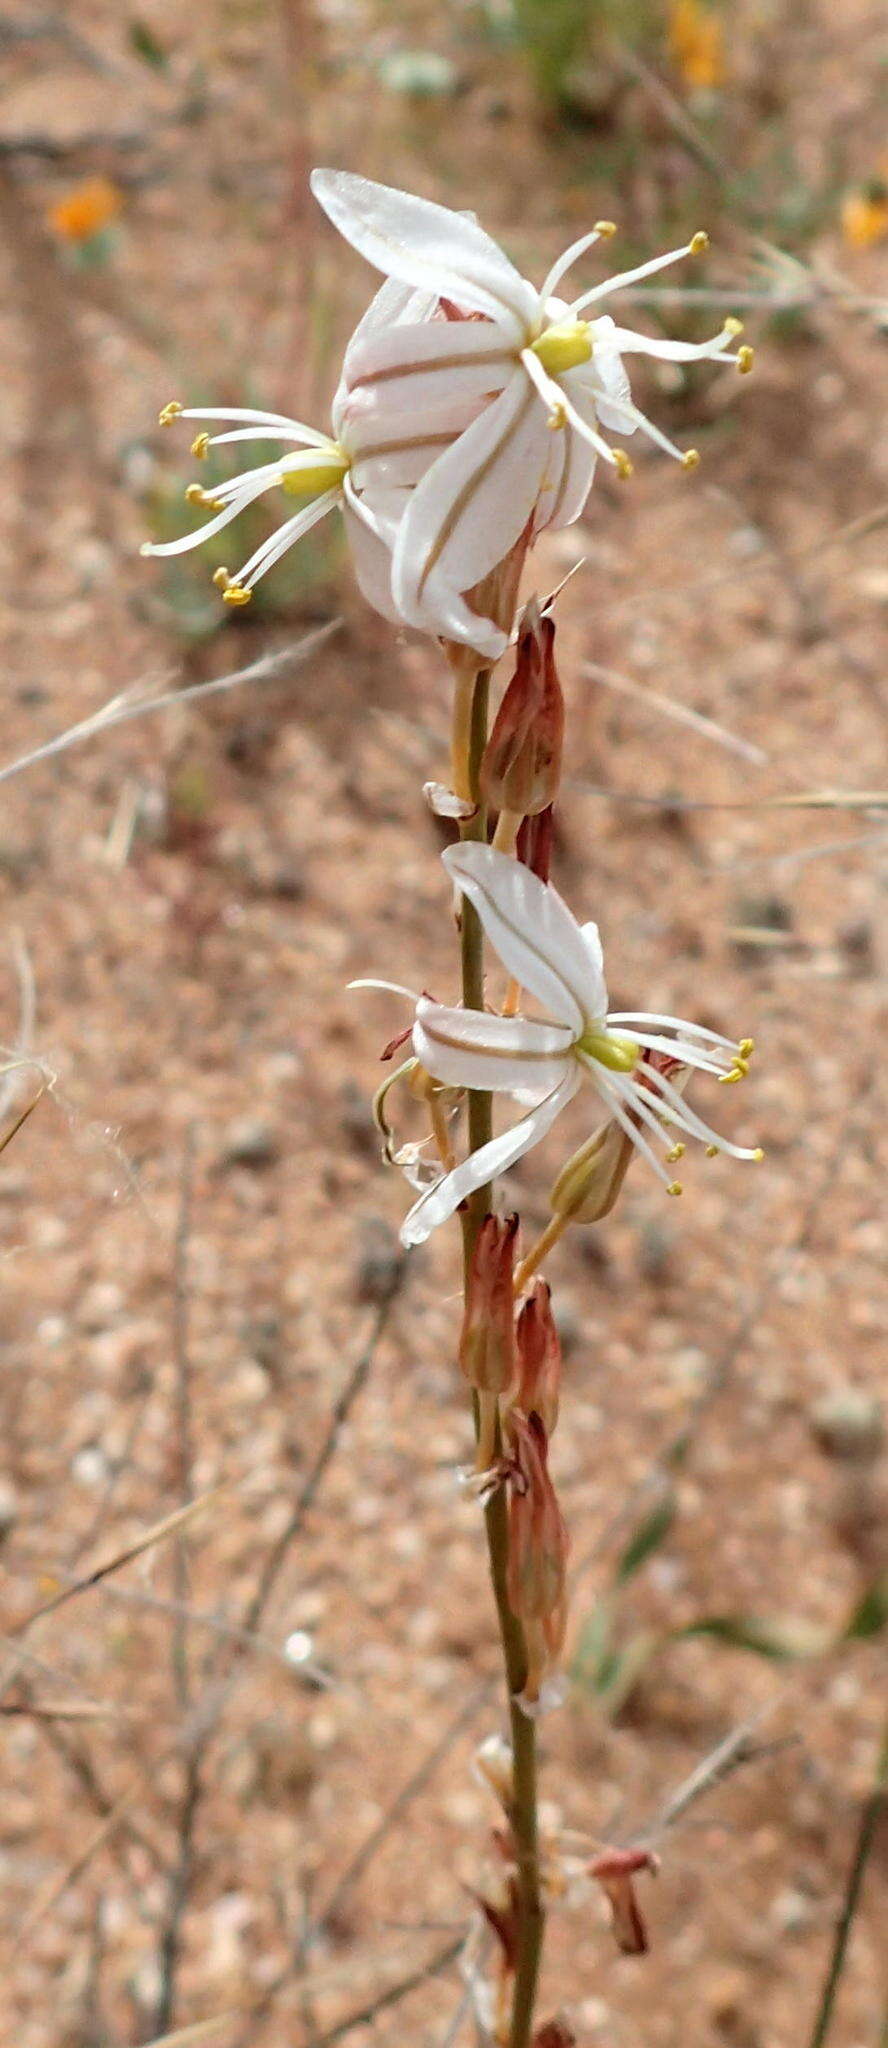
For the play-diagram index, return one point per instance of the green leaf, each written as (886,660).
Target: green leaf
(646,1538)
(870,1615)
(780,1639)
(143,41)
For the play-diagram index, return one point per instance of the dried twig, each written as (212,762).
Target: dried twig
(170,1935)
(170,1526)
(121,709)
(870,1815)
(671,708)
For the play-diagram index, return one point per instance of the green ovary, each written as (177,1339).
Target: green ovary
(324,475)
(564,347)
(610,1049)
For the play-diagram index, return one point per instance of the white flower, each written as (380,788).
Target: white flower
(543,381)
(545,1062)
(365,467)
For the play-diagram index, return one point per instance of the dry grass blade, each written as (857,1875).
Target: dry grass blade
(656,701)
(121,709)
(170,1526)
(52,1710)
(28,1110)
(57,1886)
(199,2030)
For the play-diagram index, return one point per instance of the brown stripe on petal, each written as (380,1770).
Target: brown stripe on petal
(470,488)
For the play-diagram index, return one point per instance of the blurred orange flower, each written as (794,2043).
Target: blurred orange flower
(85,210)
(865,214)
(696,44)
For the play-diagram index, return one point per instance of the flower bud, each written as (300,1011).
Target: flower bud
(521,765)
(588,1186)
(539,1358)
(538,1540)
(534,843)
(487,1340)
(555,2033)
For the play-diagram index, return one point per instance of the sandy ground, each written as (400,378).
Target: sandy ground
(197,1230)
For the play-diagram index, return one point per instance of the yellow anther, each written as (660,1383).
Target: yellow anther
(557,418)
(712,1151)
(733,325)
(196,495)
(758,1154)
(745,359)
(739,1071)
(678,1152)
(675,1188)
(746,1048)
(606,228)
(234,593)
(699,242)
(221,579)
(170,413)
(691,458)
(199,446)
(622,464)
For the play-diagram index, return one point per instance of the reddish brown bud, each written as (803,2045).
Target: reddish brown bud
(555,2033)
(487,1340)
(538,1539)
(521,765)
(534,844)
(615,1871)
(539,1358)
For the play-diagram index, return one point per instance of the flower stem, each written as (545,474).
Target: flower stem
(523,1804)
(555,1229)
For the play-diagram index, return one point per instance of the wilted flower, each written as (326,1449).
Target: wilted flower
(539,1358)
(487,1340)
(521,764)
(560,962)
(615,1870)
(538,1550)
(543,382)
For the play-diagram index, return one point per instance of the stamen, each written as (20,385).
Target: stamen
(624,467)
(694,247)
(745,359)
(169,413)
(612,1094)
(199,446)
(235,594)
(601,230)
(677,1152)
(691,458)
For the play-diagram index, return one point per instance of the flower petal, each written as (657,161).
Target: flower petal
(482,1166)
(565,489)
(537,938)
(470,1049)
(369,541)
(425,245)
(392,303)
(443,359)
(474,502)
(592,941)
